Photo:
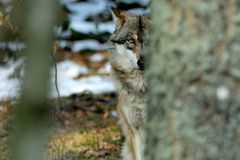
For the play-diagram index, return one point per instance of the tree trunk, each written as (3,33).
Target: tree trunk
(38,18)
(194,81)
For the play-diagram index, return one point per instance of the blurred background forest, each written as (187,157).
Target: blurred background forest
(86,121)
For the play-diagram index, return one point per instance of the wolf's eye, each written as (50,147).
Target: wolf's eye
(130,40)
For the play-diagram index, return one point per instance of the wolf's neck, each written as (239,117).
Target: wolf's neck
(131,85)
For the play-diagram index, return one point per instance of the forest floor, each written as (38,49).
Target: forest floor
(84,128)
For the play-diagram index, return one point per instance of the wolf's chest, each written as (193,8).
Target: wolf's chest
(132,105)
(135,114)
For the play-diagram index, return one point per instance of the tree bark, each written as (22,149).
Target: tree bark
(38,18)
(193,75)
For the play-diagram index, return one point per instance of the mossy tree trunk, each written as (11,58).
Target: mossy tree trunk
(194,81)
(37,19)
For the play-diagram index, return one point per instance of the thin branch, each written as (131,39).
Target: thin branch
(56,75)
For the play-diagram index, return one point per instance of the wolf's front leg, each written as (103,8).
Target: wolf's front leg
(139,144)
(133,148)
(127,150)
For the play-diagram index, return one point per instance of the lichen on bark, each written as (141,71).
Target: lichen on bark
(194,78)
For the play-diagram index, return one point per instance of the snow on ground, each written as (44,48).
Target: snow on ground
(142,2)
(9,89)
(105,69)
(68,71)
(5,1)
(12,46)
(68,83)
(139,11)
(81,10)
(77,46)
(93,84)
(96,57)
(9,85)
(90,27)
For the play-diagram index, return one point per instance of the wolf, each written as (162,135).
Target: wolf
(127,60)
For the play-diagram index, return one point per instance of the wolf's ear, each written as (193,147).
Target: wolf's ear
(118,15)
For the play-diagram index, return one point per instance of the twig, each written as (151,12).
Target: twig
(56,76)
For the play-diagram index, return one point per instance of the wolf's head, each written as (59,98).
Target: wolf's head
(129,39)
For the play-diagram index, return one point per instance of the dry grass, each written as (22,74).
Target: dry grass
(92,144)
(79,133)
(85,136)
(6,118)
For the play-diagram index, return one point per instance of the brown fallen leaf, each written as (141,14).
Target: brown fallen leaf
(106,115)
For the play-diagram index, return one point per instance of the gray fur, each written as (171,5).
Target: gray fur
(129,79)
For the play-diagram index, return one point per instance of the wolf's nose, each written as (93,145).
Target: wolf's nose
(140,63)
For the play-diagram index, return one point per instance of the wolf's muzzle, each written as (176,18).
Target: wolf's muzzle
(140,63)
